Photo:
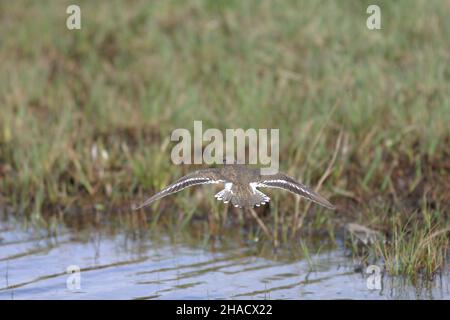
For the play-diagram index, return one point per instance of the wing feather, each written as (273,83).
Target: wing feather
(285,182)
(195,178)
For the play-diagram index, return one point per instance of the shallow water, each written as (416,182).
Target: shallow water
(119,266)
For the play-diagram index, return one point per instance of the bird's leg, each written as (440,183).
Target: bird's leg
(261,224)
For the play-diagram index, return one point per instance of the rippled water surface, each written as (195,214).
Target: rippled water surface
(120,266)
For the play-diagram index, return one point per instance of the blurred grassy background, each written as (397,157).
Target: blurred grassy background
(86,115)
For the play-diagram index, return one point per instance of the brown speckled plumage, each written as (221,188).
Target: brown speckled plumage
(240,186)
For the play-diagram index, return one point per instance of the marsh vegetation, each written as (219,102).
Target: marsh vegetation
(364,117)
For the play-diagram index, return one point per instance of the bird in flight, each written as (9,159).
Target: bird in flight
(241,183)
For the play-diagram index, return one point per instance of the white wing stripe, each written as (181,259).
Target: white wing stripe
(293,185)
(206,180)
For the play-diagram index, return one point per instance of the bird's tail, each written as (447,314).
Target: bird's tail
(242,199)
(225,195)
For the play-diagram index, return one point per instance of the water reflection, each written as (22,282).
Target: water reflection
(141,264)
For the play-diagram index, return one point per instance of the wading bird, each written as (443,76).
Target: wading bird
(241,183)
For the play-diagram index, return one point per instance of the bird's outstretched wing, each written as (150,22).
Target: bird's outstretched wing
(194,178)
(285,182)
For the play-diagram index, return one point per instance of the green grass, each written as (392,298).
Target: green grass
(312,69)
(415,249)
